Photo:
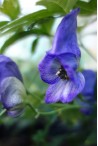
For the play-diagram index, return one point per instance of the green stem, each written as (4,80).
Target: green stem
(59,110)
(2,112)
(0,51)
(32,108)
(33,95)
(51,112)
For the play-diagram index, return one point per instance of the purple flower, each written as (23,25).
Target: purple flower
(11,87)
(88,100)
(88,91)
(59,66)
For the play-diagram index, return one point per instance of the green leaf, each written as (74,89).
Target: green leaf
(24,21)
(2,112)
(58,5)
(20,35)
(51,6)
(2,23)
(87,8)
(34,44)
(70,4)
(11,8)
(45,24)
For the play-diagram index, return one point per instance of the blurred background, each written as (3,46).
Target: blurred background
(26,33)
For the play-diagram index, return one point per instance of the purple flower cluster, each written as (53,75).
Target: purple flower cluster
(12,90)
(59,68)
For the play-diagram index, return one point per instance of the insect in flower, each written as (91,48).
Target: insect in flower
(62,74)
(12,90)
(59,68)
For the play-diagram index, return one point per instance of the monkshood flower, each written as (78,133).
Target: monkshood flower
(88,100)
(11,87)
(60,64)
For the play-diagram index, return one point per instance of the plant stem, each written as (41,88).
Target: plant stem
(2,112)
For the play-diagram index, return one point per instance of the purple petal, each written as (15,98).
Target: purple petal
(48,69)
(73,88)
(8,68)
(12,94)
(54,92)
(91,98)
(90,81)
(65,40)
(64,90)
(68,59)
(51,64)
(86,108)
(15,113)
(4,58)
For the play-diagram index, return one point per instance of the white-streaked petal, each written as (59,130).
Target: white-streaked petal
(72,89)
(54,92)
(12,92)
(65,90)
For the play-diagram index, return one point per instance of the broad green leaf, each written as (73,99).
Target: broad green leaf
(45,24)
(58,5)
(20,35)
(70,4)
(24,21)
(87,8)
(10,8)
(51,6)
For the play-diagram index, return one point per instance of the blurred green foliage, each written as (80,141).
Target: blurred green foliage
(11,8)
(40,24)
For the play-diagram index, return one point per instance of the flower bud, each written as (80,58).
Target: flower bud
(12,90)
